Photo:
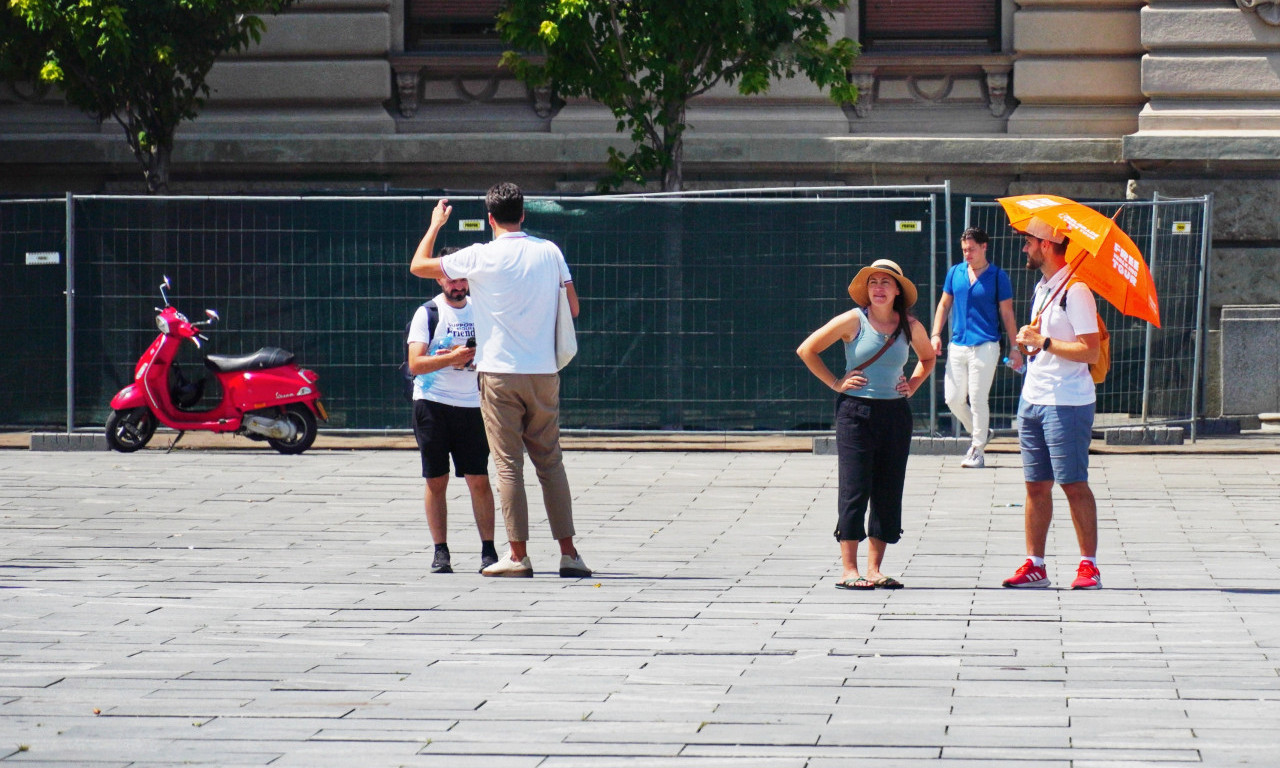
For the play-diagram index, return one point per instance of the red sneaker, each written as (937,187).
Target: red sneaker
(1029,576)
(1087,576)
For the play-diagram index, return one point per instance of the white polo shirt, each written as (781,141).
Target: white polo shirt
(515,290)
(1050,379)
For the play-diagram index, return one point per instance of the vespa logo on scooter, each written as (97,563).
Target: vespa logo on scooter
(300,393)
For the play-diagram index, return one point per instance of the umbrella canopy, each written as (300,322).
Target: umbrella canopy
(1099,253)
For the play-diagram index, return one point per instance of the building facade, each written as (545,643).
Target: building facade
(1088,98)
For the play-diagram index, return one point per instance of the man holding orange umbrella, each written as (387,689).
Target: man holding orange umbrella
(1058,396)
(1056,411)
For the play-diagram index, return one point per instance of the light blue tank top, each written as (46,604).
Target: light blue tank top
(882,376)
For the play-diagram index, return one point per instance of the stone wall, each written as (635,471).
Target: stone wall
(1078,67)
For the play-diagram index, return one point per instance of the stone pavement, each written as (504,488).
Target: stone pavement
(242,608)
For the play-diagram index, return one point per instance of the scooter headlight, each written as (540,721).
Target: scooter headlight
(162,324)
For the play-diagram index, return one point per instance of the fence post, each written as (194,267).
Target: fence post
(1150,332)
(933,297)
(71,311)
(1202,309)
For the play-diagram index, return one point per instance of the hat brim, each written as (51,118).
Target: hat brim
(858,288)
(1040,230)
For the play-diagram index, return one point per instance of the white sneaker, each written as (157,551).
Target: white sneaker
(520,569)
(573,567)
(974,459)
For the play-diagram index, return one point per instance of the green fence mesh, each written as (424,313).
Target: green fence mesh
(692,306)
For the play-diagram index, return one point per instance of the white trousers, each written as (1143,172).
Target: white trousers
(970,371)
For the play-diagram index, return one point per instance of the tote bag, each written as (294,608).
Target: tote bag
(566,339)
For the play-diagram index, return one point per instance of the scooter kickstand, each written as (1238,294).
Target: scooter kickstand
(175,441)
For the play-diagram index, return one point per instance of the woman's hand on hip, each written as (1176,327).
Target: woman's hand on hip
(852,380)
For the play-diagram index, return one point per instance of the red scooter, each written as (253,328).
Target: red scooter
(265,395)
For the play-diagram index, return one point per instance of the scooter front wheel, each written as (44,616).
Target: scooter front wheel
(304,421)
(131,429)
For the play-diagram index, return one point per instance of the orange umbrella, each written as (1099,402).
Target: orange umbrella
(1099,253)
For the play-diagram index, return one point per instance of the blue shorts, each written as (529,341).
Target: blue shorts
(1055,442)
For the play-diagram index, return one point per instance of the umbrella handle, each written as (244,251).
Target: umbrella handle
(1024,349)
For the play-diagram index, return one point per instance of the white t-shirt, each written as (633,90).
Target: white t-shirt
(515,282)
(1050,379)
(447,385)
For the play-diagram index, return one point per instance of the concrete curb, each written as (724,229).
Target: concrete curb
(61,441)
(920,446)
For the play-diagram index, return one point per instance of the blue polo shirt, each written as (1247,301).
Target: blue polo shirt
(975,311)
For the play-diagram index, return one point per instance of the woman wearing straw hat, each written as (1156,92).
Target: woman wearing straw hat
(873,418)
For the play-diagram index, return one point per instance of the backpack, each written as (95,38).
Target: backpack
(405,379)
(1097,370)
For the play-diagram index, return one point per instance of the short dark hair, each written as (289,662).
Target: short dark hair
(445,251)
(505,203)
(976,234)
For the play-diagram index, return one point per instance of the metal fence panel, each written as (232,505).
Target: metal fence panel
(692,307)
(1155,367)
(33,323)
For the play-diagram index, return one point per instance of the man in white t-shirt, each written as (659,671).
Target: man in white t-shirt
(1055,415)
(446,416)
(515,286)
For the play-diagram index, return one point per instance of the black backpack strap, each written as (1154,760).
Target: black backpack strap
(433,318)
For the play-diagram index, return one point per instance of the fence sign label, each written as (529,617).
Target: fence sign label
(909,226)
(1181,227)
(470,225)
(43,257)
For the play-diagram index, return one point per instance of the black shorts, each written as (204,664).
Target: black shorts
(442,430)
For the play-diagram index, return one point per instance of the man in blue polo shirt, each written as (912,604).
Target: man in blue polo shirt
(978,298)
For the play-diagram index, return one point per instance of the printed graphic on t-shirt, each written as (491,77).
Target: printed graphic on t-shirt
(452,335)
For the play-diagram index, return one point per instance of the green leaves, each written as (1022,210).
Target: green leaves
(141,62)
(646,59)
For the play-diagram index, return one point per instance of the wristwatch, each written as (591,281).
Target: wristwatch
(1048,342)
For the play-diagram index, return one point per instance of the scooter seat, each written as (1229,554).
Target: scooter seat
(267,357)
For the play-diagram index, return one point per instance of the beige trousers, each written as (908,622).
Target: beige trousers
(522,411)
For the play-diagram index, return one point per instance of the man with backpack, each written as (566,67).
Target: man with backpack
(446,415)
(517,280)
(1055,415)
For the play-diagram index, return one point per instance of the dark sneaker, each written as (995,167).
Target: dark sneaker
(1028,576)
(487,559)
(440,563)
(1087,576)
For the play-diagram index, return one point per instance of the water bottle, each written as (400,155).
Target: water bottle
(446,344)
(1012,367)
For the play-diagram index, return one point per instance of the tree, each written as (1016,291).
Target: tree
(141,62)
(646,59)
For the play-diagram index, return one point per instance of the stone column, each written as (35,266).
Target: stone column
(1077,71)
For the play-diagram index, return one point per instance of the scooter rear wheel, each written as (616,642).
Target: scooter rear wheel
(129,430)
(305,423)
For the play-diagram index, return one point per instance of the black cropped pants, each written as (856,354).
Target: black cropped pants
(873,439)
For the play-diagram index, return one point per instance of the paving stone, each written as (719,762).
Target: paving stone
(241,608)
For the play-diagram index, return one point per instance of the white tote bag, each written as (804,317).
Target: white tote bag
(566,339)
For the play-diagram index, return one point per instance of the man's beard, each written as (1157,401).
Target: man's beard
(455,295)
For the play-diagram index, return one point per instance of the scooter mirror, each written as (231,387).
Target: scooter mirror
(163,287)
(213,316)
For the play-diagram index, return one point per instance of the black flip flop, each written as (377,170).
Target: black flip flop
(858,583)
(888,582)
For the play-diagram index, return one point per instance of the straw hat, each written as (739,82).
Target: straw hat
(858,288)
(1042,230)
